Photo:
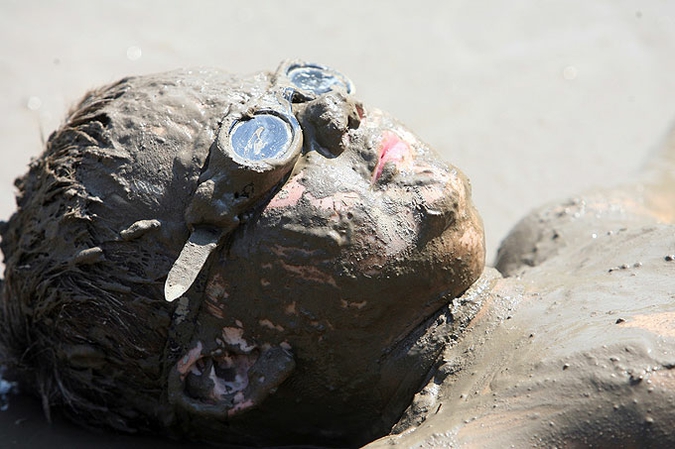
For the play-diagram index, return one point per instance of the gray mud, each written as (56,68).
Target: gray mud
(365,231)
(517,108)
(574,350)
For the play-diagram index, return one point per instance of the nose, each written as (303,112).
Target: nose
(326,120)
(392,151)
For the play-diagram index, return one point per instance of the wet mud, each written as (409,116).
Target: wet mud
(333,298)
(573,350)
(366,234)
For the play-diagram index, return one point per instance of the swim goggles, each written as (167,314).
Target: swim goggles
(257,146)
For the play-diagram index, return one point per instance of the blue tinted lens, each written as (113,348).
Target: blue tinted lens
(315,79)
(265,136)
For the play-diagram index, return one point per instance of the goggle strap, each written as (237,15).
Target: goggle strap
(192,258)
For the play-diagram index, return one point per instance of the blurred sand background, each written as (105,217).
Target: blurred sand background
(533,99)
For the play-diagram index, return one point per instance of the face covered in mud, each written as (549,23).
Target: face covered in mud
(309,246)
(311,307)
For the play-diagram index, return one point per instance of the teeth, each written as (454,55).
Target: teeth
(217,377)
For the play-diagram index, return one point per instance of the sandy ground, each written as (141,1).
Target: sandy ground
(534,100)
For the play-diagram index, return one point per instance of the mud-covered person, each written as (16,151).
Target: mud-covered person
(264,260)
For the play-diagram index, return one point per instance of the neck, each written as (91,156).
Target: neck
(422,355)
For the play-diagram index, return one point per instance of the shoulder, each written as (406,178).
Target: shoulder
(582,356)
(562,225)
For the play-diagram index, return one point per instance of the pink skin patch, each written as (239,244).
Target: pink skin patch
(184,364)
(240,404)
(289,195)
(219,377)
(393,150)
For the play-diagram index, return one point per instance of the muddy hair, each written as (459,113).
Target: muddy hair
(81,312)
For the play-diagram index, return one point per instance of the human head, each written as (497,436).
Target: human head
(306,317)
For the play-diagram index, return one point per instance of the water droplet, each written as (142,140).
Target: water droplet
(570,73)
(134,53)
(34,103)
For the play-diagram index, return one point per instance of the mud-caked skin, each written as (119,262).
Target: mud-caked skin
(575,347)
(346,301)
(306,324)
(336,255)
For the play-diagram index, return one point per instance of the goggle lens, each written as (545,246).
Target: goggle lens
(265,136)
(315,79)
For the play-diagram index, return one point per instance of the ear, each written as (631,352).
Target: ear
(222,385)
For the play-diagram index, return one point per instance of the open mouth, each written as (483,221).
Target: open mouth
(219,377)
(230,379)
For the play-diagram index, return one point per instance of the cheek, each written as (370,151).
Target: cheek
(363,232)
(385,234)
(295,262)
(289,195)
